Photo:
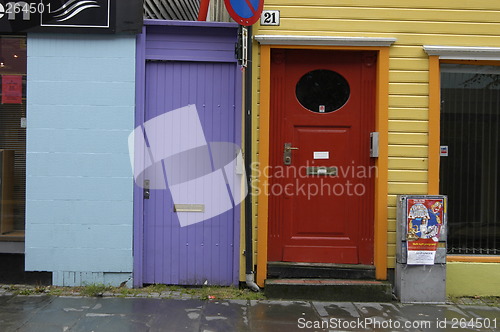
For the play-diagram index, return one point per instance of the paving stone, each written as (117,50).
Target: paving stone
(112,322)
(76,313)
(225,316)
(281,315)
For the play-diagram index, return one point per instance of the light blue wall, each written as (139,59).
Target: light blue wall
(79,190)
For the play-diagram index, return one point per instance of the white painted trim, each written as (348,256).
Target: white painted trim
(463,53)
(323,40)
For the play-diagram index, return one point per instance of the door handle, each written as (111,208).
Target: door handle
(287,153)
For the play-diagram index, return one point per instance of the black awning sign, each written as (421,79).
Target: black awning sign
(69,15)
(76,13)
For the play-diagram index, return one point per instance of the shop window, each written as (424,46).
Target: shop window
(12,136)
(469,175)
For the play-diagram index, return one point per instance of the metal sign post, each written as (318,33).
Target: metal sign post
(246,13)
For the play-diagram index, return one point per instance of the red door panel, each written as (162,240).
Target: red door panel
(321,201)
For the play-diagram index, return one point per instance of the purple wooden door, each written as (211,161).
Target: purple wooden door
(176,252)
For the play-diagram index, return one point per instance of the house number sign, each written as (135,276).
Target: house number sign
(270,17)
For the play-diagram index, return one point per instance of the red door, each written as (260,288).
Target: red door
(321,176)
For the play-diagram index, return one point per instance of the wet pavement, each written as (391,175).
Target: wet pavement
(43,313)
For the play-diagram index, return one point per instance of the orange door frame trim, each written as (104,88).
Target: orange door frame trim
(434,124)
(381,182)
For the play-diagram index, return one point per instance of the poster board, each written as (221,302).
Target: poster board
(12,89)
(424,223)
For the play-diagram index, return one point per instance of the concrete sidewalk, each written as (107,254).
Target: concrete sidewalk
(42,313)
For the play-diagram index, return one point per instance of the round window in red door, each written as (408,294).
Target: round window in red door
(322,91)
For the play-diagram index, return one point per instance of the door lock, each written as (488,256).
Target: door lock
(287,153)
(146,192)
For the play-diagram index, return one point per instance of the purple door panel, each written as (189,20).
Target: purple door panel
(204,252)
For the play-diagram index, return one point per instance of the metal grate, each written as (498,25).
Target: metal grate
(182,10)
(218,12)
(470,127)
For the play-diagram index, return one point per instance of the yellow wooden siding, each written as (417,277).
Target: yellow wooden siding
(408,138)
(409,76)
(408,126)
(405,163)
(402,101)
(413,24)
(409,113)
(406,175)
(415,151)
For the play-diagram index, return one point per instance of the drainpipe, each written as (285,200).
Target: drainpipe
(248,168)
(203,11)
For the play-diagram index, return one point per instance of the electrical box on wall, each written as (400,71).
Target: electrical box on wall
(374,144)
(421,249)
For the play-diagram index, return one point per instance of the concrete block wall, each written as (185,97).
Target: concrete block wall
(79,194)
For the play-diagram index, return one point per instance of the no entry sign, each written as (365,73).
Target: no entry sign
(245,12)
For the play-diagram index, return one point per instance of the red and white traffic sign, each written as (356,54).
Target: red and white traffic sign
(245,12)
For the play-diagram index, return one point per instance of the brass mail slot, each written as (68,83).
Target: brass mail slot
(322,170)
(189,207)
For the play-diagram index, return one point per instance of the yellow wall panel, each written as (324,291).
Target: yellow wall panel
(408,163)
(392,214)
(401,188)
(392,200)
(408,126)
(422,4)
(413,24)
(407,151)
(419,89)
(391,250)
(407,176)
(312,23)
(406,101)
(409,63)
(452,39)
(391,227)
(408,138)
(409,76)
(391,237)
(472,279)
(409,113)
(383,14)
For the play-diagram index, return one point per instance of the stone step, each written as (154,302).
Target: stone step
(320,270)
(328,290)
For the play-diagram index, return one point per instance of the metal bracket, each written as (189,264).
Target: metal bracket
(374,144)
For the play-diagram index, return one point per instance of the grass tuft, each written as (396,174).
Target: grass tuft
(95,290)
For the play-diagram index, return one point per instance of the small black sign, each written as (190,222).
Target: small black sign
(88,16)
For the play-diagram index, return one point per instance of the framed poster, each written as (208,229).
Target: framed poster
(425,220)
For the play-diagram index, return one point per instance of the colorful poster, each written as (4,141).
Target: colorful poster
(425,221)
(12,89)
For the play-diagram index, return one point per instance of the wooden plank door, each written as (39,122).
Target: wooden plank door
(322,177)
(204,252)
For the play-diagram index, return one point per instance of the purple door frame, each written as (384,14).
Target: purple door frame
(201,34)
